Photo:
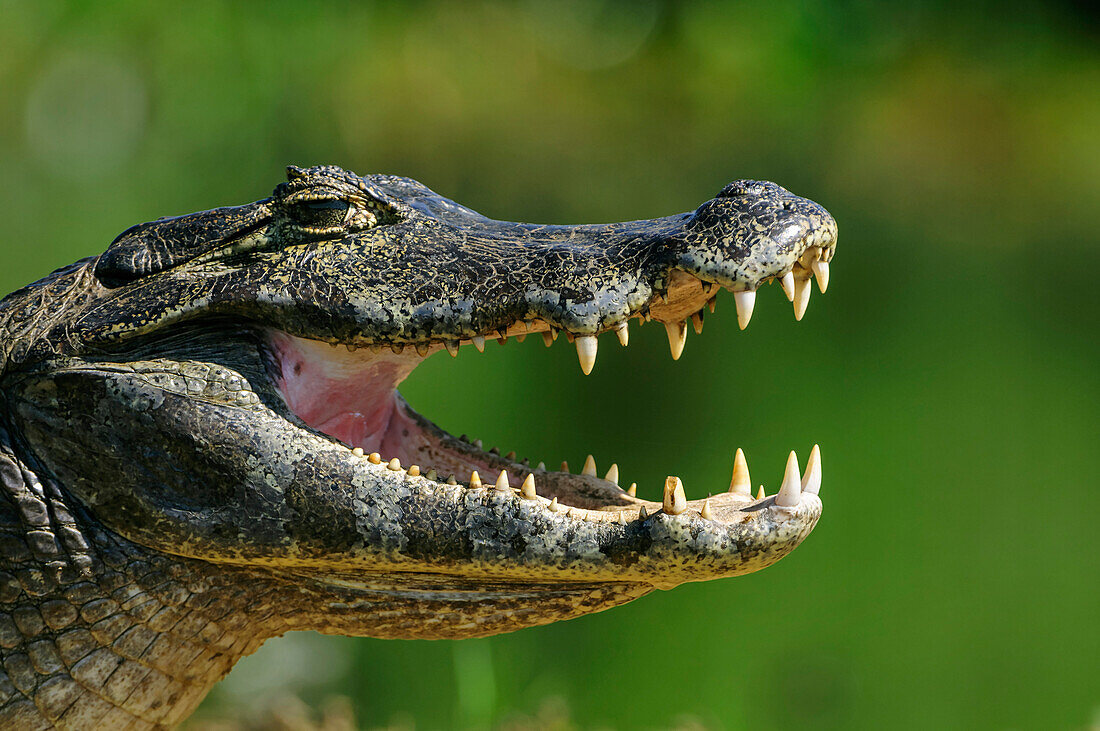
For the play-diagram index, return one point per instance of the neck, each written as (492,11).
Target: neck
(97,633)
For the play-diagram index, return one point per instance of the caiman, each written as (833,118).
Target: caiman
(202,445)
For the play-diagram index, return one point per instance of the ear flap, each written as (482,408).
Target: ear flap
(152,247)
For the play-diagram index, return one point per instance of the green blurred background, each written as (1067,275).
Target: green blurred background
(950,373)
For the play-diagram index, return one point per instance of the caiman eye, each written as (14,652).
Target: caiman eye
(320,215)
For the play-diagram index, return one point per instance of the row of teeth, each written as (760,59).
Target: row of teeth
(674,501)
(797,289)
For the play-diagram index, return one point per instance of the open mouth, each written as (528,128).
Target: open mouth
(348,392)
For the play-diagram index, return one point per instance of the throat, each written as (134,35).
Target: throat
(351,396)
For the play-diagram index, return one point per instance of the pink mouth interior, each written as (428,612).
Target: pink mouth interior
(352,397)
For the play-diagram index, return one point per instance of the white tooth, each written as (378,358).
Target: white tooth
(358,451)
(452,347)
(642,513)
(479,343)
(705,511)
(622,517)
(632,491)
(475,480)
(395,464)
(791,489)
(612,474)
(541,467)
(745,302)
(811,481)
(802,289)
(527,489)
(760,494)
(432,475)
(554,505)
(675,501)
(821,271)
(623,333)
(740,483)
(586,352)
(677,336)
(547,338)
(787,282)
(589,466)
(414,470)
(502,481)
(697,322)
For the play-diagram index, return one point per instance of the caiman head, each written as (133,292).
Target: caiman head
(221,387)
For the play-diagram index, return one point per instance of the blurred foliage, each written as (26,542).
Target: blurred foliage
(950,374)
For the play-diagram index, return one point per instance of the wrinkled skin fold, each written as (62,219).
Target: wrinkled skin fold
(202,445)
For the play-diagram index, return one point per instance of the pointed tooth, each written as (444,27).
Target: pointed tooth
(374,458)
(705,512)
(395,464)
(570,336)
(564,466)
(632,491)
(802,289)
(760,494)
(479,343)
(811,481)
(422,349)
(740,482)
(622,517)
(511,455)
(414,470)
(787,282)
(675,501)
(554,505)
(451,480)
(791,489)
(553,333)
(586,352)
(452,347)
(712,303)
(541,467)
(478,443)
(494,450)
(745,302)
(589,466)
(821,271)
(642,513)
(502,481)
(623,334)
(612,474)
(432,475)
(697,322)
(397,348)
(475,480)
(547,338)
(521,337)
(677,335)
(527,489)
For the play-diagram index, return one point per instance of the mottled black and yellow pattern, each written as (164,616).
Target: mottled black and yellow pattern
(163,512)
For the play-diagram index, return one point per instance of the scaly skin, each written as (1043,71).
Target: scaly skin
(182,480)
